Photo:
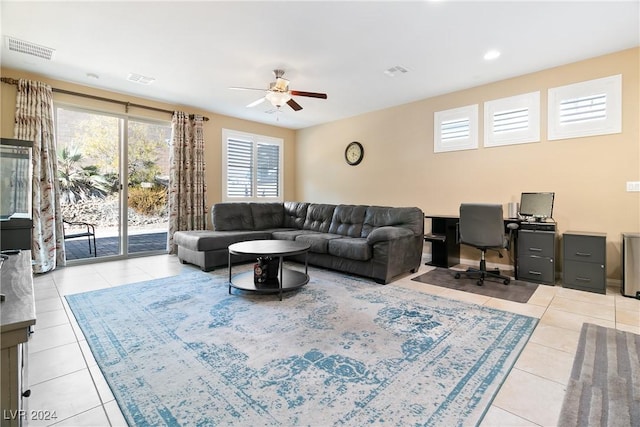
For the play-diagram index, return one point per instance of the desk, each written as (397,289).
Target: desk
(445,241)
(445,246)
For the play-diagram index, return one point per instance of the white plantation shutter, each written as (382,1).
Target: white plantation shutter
(252,167)
(583,109)
(268,170)
(587,108)
(512,120)
(455,129)
(239,168)
(451,130)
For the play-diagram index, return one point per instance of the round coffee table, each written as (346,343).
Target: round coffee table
(287,279)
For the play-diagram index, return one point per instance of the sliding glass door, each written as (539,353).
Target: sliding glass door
(148,183)
(113,174)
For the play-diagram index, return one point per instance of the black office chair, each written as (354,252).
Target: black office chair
(482,226)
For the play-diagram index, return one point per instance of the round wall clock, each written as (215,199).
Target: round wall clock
(354,153)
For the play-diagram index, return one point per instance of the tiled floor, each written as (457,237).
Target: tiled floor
(64,377)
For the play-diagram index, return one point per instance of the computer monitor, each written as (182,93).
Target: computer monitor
(538,206)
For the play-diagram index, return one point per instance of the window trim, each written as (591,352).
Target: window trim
(255,139)
(529,101)
(610,86)
(469,113)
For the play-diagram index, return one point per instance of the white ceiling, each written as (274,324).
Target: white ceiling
(197,50)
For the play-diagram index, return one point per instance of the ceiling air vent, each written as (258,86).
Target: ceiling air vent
(139,78)
(394,71)
(21,46)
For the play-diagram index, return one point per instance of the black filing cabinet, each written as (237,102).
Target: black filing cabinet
(584,257)
(536,256)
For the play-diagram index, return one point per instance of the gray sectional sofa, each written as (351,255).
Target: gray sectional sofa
(377,242)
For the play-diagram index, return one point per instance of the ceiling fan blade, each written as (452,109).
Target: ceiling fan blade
(293,104)
(247,88)
(256,102)
(309,94)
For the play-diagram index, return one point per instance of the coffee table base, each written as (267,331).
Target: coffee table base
(291,280)
(287,279)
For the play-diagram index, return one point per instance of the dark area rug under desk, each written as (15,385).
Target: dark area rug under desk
(517,290)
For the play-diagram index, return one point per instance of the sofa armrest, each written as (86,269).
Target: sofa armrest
(382,234)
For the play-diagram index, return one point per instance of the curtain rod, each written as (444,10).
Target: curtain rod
(126,104)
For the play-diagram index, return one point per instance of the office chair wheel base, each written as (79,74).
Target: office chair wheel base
(457,276)
(506,281)
(480,282)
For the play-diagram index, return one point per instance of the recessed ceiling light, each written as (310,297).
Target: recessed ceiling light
(491,54)
(139,78)
(93,76)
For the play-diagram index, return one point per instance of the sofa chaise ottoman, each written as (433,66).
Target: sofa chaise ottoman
(376,242)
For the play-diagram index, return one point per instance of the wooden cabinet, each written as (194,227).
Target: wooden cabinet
(18,315)
(584,261)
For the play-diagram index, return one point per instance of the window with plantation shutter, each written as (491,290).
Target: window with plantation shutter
(252,167)
(587,108)
(455,129)
(583,109)
(239,168)
(512,120)
(268,170)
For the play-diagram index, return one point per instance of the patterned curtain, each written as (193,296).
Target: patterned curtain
(34,122)
(187,209)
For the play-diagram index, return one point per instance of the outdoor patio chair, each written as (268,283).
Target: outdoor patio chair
(89,233)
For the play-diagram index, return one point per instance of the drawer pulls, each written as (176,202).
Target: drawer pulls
(583,279)
(582,254)
(535,249)
(541,257)
(535,273)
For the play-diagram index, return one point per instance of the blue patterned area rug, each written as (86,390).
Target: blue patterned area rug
(339,351)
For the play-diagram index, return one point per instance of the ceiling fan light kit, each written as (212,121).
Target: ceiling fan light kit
(279,94)
(278,99)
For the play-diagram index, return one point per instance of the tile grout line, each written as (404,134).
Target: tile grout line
(84,357)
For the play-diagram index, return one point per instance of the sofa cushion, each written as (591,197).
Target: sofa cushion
(319,241)
(319,217)
(351,248)
(267,215)
(232,216)
(347,220)
(207,240)
(380,216)
(289,234)
(294,214)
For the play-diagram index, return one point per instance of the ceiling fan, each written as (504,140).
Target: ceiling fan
(279,93)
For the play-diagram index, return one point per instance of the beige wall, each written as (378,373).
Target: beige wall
(588,174)
(212,128)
